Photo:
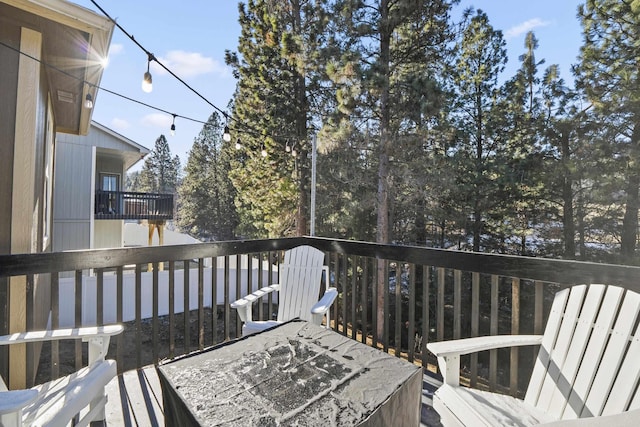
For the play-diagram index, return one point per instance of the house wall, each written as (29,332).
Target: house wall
(108,234)
(25,113)
(80,160)
(73,194)
(9,60)
(106,164)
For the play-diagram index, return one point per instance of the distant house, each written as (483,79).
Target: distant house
(89,198)
(51,56)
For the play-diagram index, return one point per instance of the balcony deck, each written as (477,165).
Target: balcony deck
(135,399)
(396,298)
(132,205)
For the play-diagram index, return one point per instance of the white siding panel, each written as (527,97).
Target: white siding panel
(72,189)
(70,235)
(108,234)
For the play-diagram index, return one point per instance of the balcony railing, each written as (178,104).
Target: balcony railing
(397,298)
(131,205)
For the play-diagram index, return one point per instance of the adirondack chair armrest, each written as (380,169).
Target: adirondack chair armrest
(243,305)
(12,402)
(322,307)
(97,337)
(623,419)
(449,352)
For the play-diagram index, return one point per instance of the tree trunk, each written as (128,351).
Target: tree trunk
(580,218)
(383,202)
(477,209)
(630,220)
(301,119)
(420,223)
(569,228)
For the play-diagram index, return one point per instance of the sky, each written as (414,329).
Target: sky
(190,38)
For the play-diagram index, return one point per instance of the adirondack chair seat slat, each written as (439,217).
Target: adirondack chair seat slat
(300,277)
(492,409)
(587,366)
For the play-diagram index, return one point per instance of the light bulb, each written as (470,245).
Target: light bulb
(264,153)
(88,101)
(238,144)
(294,153)
(173,125)
(226,135)
(287,148)
(147,85)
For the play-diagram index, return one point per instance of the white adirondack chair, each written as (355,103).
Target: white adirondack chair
(588,366)
(58,402)
(299,288)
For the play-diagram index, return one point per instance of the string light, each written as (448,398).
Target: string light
(226,135)
(147,84)
(264,151)
(173,126)
(53,67)
(88,101)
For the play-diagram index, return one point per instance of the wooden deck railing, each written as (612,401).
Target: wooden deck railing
(425,295)
(132,205)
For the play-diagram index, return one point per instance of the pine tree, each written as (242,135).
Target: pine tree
(274,67)
(160,172)
(515,129)
(384,61)
(207,209)
(609,73)
(481,57)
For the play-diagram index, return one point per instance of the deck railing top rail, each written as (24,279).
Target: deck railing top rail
(526,268)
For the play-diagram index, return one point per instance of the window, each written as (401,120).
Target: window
(108,196)
(109,182)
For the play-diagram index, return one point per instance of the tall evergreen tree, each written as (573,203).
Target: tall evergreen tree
(160,172)
(609,73)
(515,129)
(274,65)
(561,127)
(207,209)
(481,57)
(384,65)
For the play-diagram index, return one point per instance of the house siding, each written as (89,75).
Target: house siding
(108,234)
(9,65)
(27,202)
(72,194)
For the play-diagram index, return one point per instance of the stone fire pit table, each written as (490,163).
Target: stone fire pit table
(297,374)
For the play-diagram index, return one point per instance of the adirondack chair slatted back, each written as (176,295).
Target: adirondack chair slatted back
(588,361)
(300,277)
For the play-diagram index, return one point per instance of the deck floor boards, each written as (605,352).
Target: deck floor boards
(135,399)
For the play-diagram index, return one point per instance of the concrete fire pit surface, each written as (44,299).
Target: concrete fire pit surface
(296,374)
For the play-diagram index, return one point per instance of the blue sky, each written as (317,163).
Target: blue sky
(190,38)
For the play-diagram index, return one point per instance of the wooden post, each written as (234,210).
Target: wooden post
(24,211)
(159,225)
